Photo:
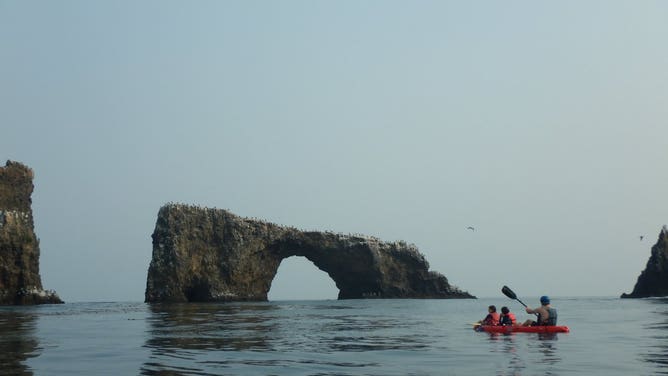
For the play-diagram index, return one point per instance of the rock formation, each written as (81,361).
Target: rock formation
(202,254)
(20,282)
(653,281)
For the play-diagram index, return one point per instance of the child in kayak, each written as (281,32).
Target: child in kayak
(492,317)
(547,315)
(507,317)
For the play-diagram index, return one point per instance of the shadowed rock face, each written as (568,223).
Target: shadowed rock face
(202,254)
(20,282)
(653,281)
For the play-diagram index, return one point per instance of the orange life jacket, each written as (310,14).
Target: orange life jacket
(509,319)
(491,319)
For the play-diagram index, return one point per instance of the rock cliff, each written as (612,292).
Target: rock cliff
(20,282)
(202,254)
(653,281)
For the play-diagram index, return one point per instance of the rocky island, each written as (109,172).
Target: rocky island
(653,281)
(203,254)
(20,282)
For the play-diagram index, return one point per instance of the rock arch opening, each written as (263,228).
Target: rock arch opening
(298,278)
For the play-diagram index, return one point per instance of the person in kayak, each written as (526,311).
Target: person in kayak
(492,317)
(507,317)
(547,315)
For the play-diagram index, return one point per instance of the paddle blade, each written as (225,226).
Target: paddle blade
(508,292)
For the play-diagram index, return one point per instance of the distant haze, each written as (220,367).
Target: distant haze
(540,124)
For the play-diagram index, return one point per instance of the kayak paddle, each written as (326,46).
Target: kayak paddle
(509,293)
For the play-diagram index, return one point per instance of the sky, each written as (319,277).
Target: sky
(541,124)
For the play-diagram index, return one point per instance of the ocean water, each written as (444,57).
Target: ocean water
(609,336)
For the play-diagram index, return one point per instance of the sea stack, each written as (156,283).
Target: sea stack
(653,281)
(202,254)
(20,282)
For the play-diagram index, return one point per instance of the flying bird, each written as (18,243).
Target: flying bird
(470,228)
(641,237)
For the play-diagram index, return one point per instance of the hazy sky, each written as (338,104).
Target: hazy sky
(541,124)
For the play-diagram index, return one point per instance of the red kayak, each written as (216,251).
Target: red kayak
(520,329)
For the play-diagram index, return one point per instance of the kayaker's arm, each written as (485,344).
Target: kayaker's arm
(538,312)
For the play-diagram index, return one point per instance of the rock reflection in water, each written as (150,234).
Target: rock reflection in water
(17,341)
(208,326)
(657,347)
(261,338)
(178,334)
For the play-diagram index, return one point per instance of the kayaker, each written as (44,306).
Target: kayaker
(507,317)
(492,317)
(547,315)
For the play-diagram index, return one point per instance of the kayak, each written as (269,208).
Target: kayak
(520,329)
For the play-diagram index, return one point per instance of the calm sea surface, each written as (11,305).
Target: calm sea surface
(608,336)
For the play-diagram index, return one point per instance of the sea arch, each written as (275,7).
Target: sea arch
(203,254)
